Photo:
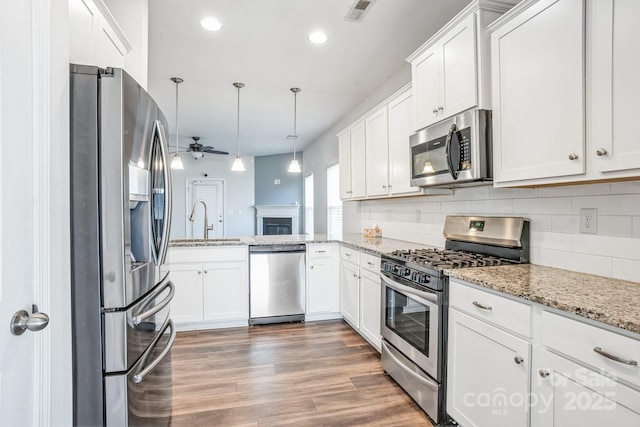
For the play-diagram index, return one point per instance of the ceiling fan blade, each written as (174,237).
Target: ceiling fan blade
(210,150)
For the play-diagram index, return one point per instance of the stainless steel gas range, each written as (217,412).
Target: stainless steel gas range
(415,300)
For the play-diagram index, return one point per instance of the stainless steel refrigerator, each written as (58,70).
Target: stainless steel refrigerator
(120,221)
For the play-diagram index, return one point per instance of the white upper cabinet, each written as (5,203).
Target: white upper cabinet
(377,152)
(375,160)
(358,160)
(565,93)
(450,71)
(613,59)
(538,92)
(351,149)
(344,154)
(95,37)
(400,112)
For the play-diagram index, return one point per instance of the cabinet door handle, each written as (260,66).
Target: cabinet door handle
(615,358)
(440,108)
(355,275)
(573,156)
(484,307)
(320,252)
(601,152)
(384,186)
(519,360)
(311,267)
(199,272)
(346,254)
(206,271)
(435,110)
(543,373)
(371,264)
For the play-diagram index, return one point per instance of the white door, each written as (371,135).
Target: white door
(212,193)
(34,211)
(344,147)
(357,160)
(377,153)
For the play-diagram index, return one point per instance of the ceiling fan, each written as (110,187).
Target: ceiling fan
(197,150)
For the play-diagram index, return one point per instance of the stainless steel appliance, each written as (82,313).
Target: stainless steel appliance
(454,152)
(120,220)
(276,283)
(415,298)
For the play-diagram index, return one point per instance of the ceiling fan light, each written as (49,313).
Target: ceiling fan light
(237,166)
(176,162)
(294,166)
(197,154)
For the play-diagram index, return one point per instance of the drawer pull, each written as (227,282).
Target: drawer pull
(370,263)
(320,252)
(615,358)
(543,373)
(484,307)
(519,360)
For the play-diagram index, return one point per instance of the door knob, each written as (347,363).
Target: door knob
(21,321)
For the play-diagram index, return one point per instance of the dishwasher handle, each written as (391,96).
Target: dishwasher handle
(277,248)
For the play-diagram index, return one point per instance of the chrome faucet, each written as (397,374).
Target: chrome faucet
(207,227)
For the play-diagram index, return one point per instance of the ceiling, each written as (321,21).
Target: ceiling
(264,44)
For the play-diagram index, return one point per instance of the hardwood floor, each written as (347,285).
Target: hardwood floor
(302,374)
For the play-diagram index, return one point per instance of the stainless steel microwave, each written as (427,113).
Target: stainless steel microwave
(455,152)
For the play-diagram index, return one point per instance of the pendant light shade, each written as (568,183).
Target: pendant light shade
(238,166)
(294,166)
(176,162)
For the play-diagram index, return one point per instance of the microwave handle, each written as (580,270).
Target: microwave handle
(452,171)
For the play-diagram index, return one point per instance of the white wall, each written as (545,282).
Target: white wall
(239,192)
(323,152)
(555,228)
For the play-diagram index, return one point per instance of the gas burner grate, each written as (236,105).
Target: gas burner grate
(444,258)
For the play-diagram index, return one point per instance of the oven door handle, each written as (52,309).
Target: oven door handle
(393,354)
(447,145)
(420,296)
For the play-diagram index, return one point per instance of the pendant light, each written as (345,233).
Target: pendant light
(238,166)
(176,162)
(294,166)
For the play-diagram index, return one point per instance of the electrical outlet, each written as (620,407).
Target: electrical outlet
(276,181)
(589,220)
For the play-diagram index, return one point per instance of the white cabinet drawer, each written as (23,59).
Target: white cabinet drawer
(321,250)
(580,341)
(220,253)
(348,254)
(370,262)
(509,314)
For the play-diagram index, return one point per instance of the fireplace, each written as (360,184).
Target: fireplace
(277,219)
(271,226)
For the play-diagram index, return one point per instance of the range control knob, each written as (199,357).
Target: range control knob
(407,271)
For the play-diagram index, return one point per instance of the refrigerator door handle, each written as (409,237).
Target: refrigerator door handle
(139,376)
(138,318)
(166,224)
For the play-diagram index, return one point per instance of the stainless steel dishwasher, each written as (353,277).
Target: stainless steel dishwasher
(276,283)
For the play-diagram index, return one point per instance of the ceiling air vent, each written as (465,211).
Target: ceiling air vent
(358,10)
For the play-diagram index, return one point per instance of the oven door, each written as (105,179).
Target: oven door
(411,322)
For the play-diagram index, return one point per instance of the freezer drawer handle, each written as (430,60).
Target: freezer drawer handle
(138,318)
(142,374)
(615,358)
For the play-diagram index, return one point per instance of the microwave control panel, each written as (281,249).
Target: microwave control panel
(464,142)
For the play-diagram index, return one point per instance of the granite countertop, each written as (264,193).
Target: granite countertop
(611,301)
(374,245)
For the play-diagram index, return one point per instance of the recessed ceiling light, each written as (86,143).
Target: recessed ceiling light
(211,24)
(317,37)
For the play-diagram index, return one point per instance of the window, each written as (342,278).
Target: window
(308,204)
(334,204)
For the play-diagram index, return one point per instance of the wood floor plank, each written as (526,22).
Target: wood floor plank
(302,374)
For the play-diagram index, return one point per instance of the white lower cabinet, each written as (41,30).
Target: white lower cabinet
(323,282)
(567,394)
(350,293)
(211,287)
(360,293)
(488,374)
(370,290)
(560,370)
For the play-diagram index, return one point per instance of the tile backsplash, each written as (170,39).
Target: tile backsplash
(556,240)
